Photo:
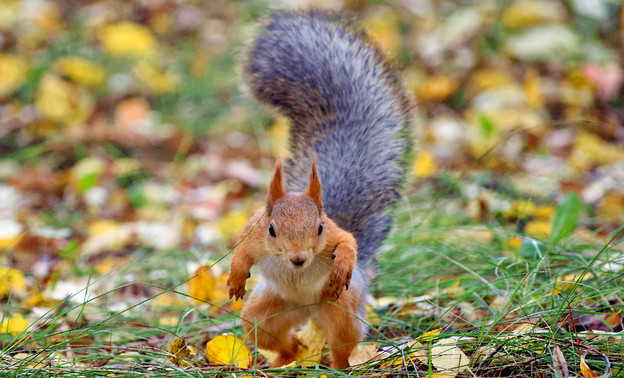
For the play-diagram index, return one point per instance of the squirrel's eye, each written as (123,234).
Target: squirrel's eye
(320,228)
(271,230)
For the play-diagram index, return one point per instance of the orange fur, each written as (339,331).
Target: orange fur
(306,274)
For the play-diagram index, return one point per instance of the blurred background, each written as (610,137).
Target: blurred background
(129,151)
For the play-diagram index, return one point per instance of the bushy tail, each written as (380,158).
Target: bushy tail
(347,110)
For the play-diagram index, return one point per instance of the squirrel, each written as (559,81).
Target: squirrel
(314,243)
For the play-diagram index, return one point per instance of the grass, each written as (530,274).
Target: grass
(440,269)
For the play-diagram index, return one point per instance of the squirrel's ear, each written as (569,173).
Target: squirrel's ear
(276,188)
(314,187)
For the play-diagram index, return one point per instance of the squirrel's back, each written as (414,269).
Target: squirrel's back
(347,110)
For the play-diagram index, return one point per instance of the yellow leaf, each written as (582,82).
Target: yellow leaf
(107,235)
(532,88)
(531,12)
(127,39)
(418,350)
(11,231)
(101,227)
(10,279)
(589,150)
(168,300)
(448,358)
(610,209)
(61,101)
(14,325)
(545,212)
(431,335)
(436,88)
(181,351)
(586,370)
(424,164)
(569,281)
(36,299)
(514,242)
(314,340)
(202,285)
(487,79)
(229,350)
(157,80)
(110,263)
(454,290)
(310,354)
(279,137)
(382,28)
(13,73)
(231,223)
(168,320)
(538,228)
(81,71)
(520,209)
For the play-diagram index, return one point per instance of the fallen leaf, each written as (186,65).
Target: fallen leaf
(570,280)
(436,88)
(11,279)
(228,350)
(589,150)
(106,235)
(538,228)
(13,73)
(313,340)
(14,325)
(430,336)
(362,354)
(182,352)
(448,358)
(532,88)
(525,13)
(586,371)
(544,42)
(127,39)
(61,101)
(279,137)
(559,362)
(156,79)
(382,27)
(202,285)
(81,71)
(10,234)
(309,353)
(424,165)
(232,223)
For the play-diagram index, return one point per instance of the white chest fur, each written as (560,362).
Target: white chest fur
(296,285)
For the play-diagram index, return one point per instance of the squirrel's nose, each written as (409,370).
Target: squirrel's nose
(298,260)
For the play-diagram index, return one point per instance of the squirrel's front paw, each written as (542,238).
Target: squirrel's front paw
(237,286)
(339,280)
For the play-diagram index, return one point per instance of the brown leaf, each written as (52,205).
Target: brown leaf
(560,364)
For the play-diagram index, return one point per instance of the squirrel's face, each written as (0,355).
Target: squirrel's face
(294,230)
(294,221)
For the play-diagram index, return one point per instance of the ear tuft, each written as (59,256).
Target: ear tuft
(314,187)
(276,188)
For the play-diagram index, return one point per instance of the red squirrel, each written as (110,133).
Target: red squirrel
(314,243)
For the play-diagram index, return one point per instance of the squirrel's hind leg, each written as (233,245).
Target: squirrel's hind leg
(269,322)
(341,326)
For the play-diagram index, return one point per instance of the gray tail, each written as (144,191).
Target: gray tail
(347,110)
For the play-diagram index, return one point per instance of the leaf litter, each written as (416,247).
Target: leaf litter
(130,161)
